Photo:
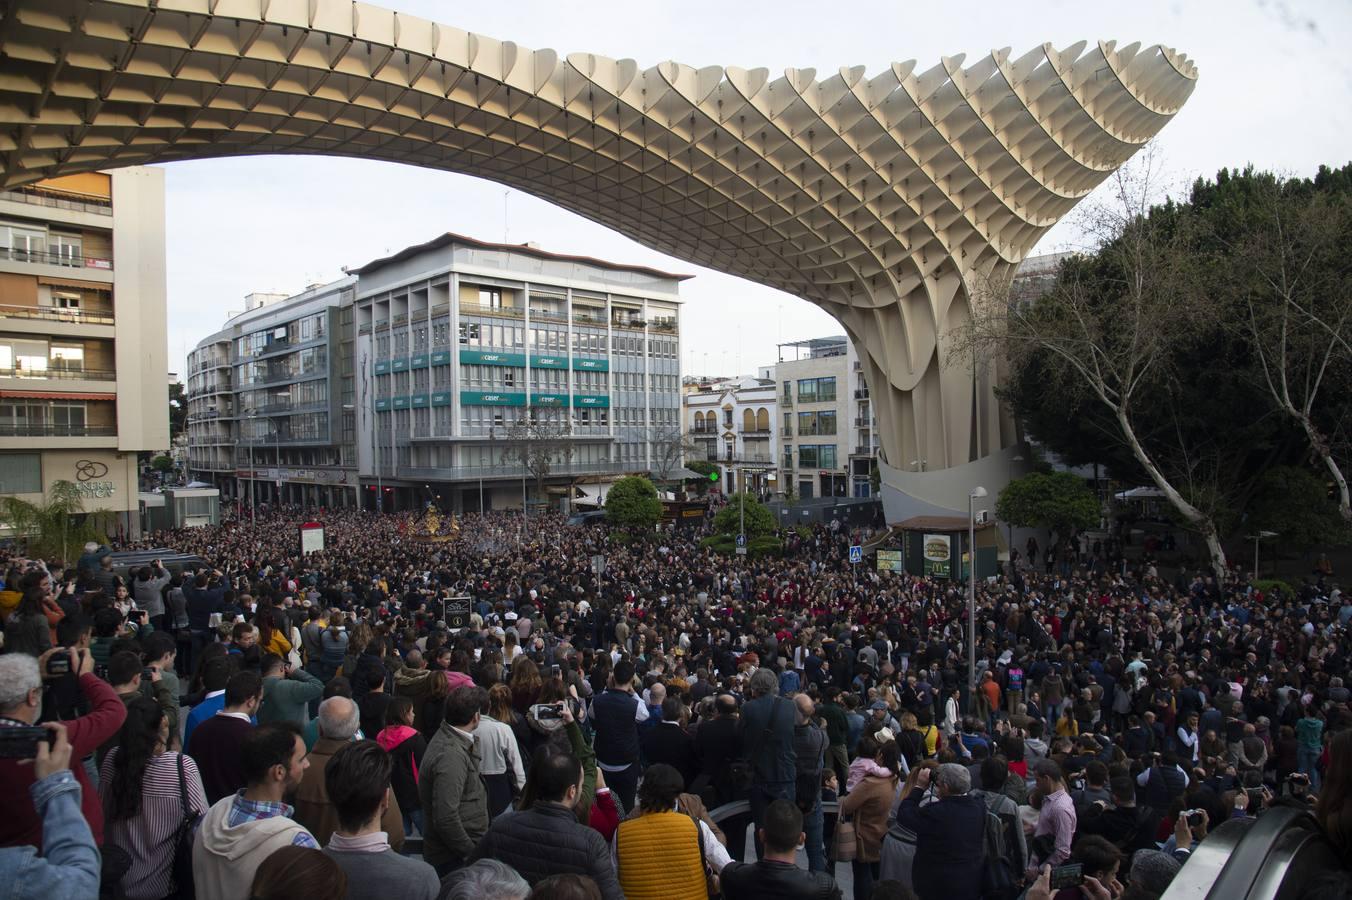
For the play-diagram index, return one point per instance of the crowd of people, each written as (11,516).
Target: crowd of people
(271,725)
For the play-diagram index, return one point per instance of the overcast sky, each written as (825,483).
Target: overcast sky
(1275,90)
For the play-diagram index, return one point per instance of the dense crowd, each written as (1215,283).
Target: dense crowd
(272,725)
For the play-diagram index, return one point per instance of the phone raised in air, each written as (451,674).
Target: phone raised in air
(1068,876)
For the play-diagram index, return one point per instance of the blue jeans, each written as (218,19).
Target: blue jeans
(1307,763)
(413,819)
(762,795)
(624,785)
(815,845)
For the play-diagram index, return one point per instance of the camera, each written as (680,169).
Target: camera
(21,742)
(58,664)
(147,673)
(1194,817)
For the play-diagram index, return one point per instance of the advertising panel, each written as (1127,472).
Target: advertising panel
(938,555)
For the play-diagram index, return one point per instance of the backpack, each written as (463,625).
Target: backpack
(999,881)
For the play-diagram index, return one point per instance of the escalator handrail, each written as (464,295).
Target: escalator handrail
(1241,872)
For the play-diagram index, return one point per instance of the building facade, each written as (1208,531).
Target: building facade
(828,432)
(83,336)
(732,423)
(475,360)
(270,401)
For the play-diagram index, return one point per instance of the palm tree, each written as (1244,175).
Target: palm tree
(54,526)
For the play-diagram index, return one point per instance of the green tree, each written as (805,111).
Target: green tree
(632,504)
(702,467)
(163,464)
(57,527)
(758,518)
(1295,503)
(1058,501)
(178,410)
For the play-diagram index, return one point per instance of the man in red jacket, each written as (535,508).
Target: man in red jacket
(20,702)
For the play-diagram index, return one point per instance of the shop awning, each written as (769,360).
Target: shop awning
(55,395)
(74,283)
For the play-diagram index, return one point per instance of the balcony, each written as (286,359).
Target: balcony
(860,394)
(55,258)
(597,318)
(547,314)
(53,314)
(59,374)
(478,309)
(666,326)
(756,432)
(697,429)
(629,322)
(865,422)
(865,451)
(858,365)
(38,197)
(43,429)
(786,431)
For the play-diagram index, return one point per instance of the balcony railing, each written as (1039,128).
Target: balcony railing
(53,314)
(42,429)
(756,430)
(865,422)
(786,400)
(478,309)
(786,431)
(864,451)
(860,394)
(42,198)
(666,326)
(543,314)
(56,374)
(55,258)
(506,469)
(583,318)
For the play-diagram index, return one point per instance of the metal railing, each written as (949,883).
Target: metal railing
(30,429)
(757,430)
(582,318)
(58,374)
(478,309)
(507,469)
(53,314)
(549,315)
(860,394)
(55,201)
(55,258)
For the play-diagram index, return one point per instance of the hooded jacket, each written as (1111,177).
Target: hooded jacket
(224,859)
(406,747)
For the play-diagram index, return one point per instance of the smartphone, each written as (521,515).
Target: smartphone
(554,671)
(21,742)
(58,664)
(543,711)
(1067,876)
(148,673)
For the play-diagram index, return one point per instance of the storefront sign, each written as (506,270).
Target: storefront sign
(96,488)
(890,561)
(487,358)
(549,362)
(585,364)
(479,398)
(938,549)
(581,401)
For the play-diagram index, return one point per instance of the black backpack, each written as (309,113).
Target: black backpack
(999,881)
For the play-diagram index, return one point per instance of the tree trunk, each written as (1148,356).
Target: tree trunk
(1194,516)
(1321,446)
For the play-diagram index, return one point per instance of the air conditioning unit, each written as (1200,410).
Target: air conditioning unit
(983,516)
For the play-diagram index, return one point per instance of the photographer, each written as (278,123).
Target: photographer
(20,700)
(68,864)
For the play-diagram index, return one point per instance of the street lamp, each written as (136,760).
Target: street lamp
(977,493)
(1258,539)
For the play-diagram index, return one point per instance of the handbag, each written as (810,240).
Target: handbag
(845,842)
(183,887)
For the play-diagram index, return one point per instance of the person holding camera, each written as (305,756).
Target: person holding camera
(67,863)
(129,680)
(21,694)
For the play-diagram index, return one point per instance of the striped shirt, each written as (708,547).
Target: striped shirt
(149,835)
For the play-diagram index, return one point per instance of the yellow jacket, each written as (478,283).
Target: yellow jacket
(660,858)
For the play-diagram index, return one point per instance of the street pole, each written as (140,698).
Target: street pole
(972,497)
(971,602)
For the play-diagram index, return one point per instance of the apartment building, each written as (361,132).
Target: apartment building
(827,431)
(83,336)
(270,401)
(732,423)
(471,355)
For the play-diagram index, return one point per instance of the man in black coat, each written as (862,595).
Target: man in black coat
(668,742)
(547,838)
(949,835)
(776,876)
(717,744)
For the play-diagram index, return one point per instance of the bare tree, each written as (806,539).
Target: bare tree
(1291,269)
(538,442)
(1115,319)
(670,447)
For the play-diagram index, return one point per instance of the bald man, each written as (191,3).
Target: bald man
(338,726)
(809,747)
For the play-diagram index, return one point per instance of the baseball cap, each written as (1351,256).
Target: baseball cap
(877,705)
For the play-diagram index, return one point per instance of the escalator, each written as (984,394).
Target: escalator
(1275,857)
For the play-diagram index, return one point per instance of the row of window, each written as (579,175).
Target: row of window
(306,328)
(812,456)
(815,390)
(34,358)
(307,362)
(813,423)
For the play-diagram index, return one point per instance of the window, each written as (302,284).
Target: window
(816,390)
(67,359)
(23,243)
(490,298)
(21,473)
(62,300)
